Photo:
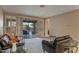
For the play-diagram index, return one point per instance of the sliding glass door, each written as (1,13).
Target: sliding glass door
(29,28)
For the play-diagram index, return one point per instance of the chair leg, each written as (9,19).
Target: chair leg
(76,49)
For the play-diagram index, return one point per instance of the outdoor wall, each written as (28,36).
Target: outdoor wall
(66,24)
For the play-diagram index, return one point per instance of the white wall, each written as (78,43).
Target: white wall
(66,24)
(1,22)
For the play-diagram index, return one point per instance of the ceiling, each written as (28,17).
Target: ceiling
(36,10)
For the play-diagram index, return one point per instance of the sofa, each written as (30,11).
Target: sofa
(56,46)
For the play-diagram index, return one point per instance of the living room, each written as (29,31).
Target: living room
(50,21)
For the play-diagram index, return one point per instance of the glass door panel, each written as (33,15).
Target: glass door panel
(11,24)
